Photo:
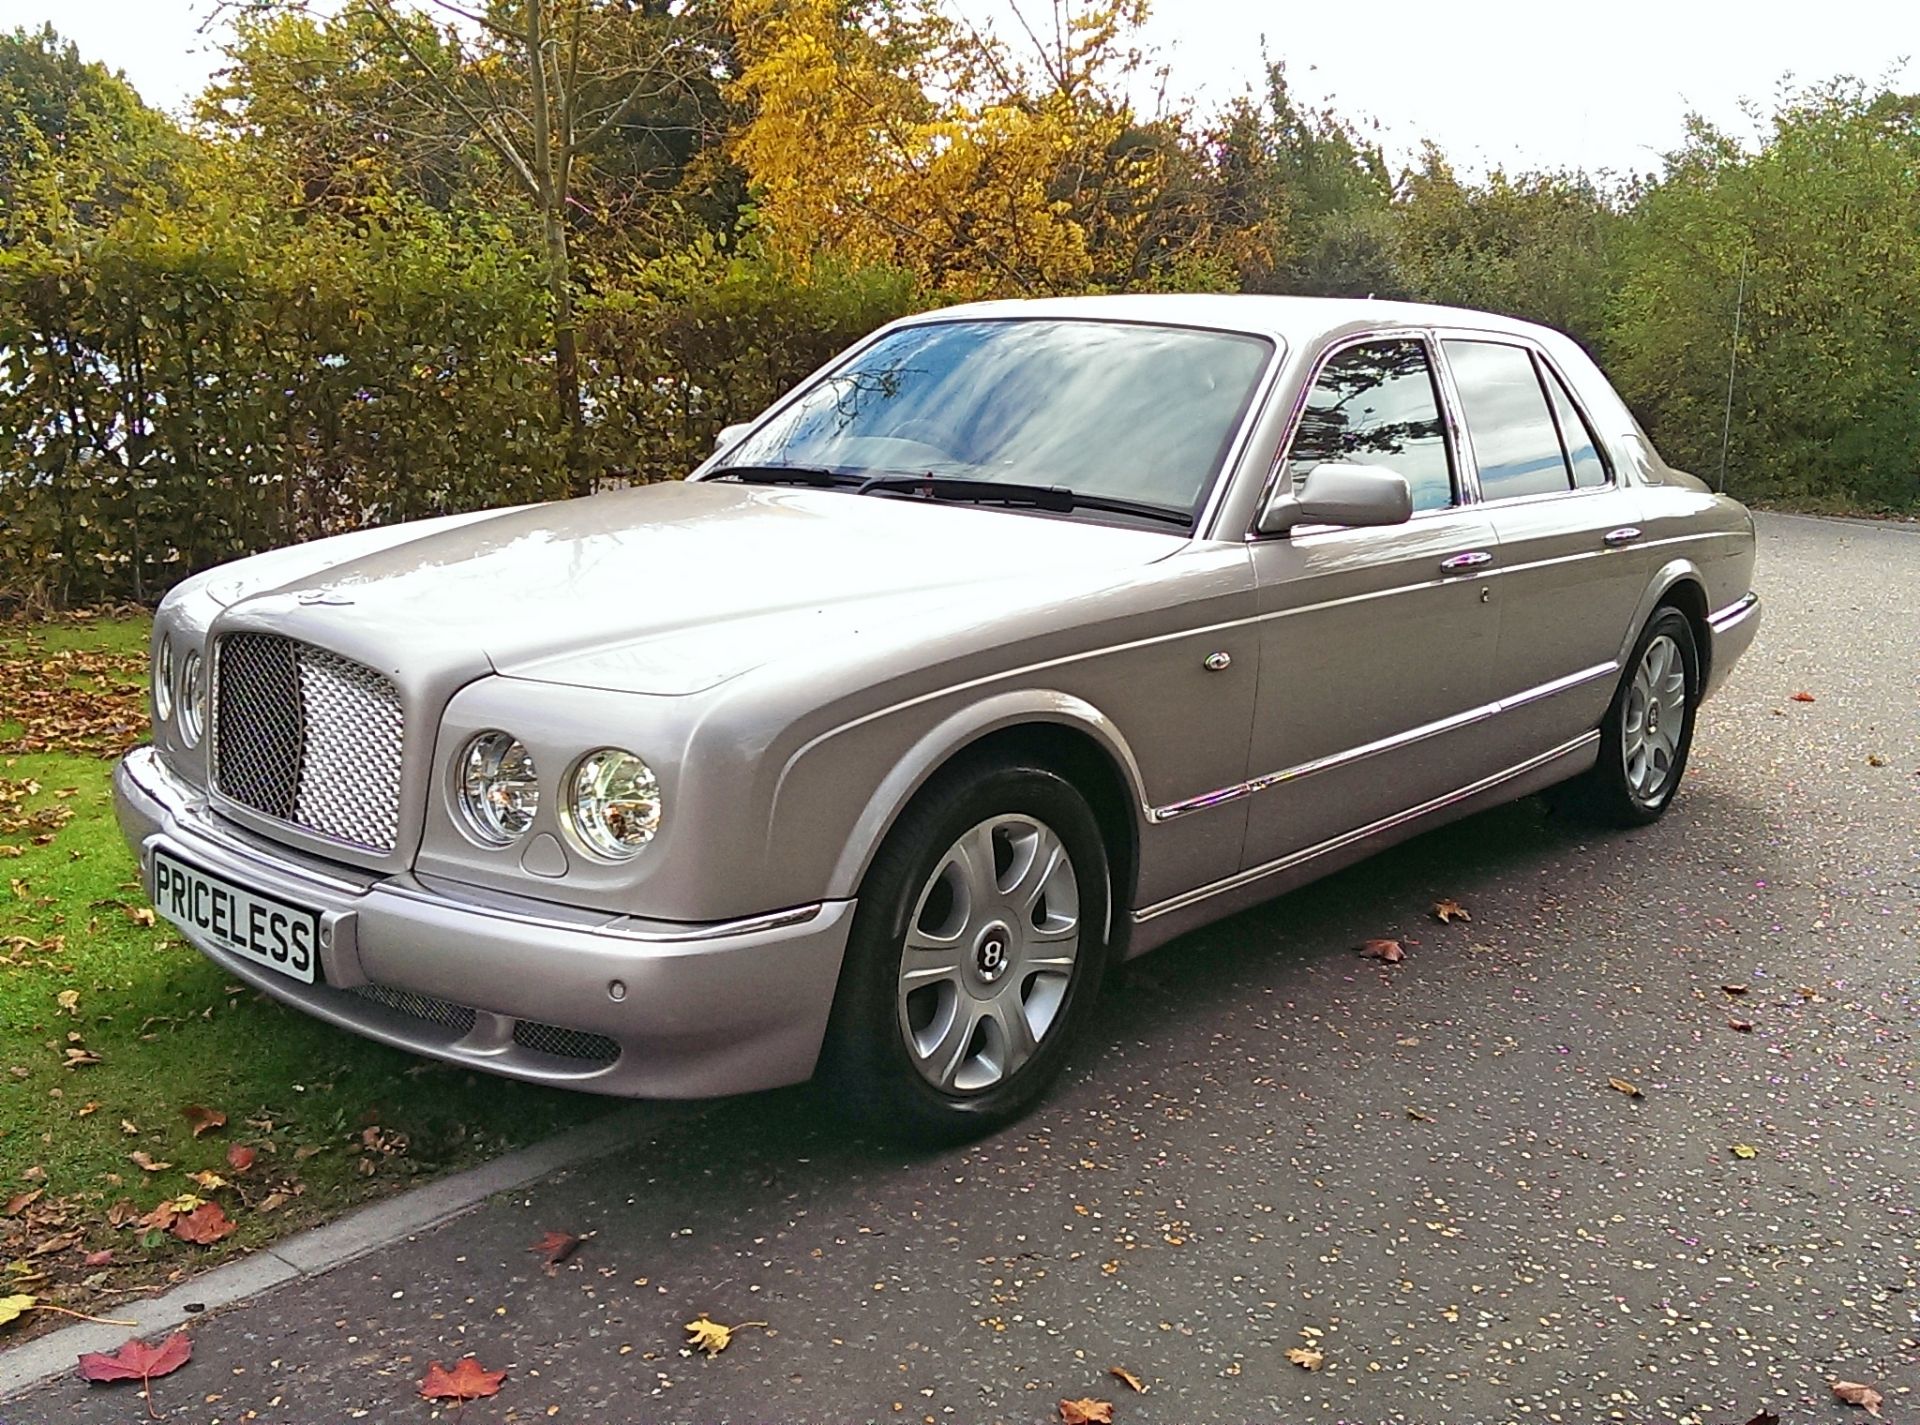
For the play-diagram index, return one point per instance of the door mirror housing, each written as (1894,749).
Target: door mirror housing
(729,434)
(1336,492)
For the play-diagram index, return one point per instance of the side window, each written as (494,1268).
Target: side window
(1376,404)
(1583,451)
(1514,438)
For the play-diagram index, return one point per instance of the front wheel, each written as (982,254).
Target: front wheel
(978,947)
(1648,729)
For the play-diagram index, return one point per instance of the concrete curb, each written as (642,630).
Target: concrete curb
(324,1248)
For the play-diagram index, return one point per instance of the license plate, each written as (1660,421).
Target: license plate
(260,928)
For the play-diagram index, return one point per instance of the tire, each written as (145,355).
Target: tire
(1642,755)
(948,960)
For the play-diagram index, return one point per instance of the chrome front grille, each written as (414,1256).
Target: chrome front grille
(307,737)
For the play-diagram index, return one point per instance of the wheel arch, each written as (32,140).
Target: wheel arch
(1677,584)
(1060,731)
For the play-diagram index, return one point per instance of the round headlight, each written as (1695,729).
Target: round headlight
(613,802)
(193,698)
(163,681)
(499,788)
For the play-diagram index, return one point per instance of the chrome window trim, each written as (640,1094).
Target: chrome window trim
(1347,838)
(1385,744)
(1423,335)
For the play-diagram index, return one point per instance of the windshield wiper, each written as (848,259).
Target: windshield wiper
(1057,498)
(786,475)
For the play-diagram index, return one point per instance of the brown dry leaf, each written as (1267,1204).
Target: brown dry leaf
(1734,989)
(1086,1411)
(1803,696)
(20,1201)
(556,1247)
(1127,1378)
(69,1002)
(468,1380)
(1854,1393)
(203,1119)
(145,1161)
(1744,1026)
(1765,1417)
(306,1151)
(1622,1086)
(712,1337)
(239,1157)
(78,1056)
(1874,759)
(87,1109)
(1388,952)
(205,1225)
(99,1259)
(1448,911)
(141,915)
(1308,1358)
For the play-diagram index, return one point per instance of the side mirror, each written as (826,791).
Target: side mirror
(729,434)
(1335,492)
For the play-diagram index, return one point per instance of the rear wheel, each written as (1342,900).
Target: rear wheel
(978,947)
(1648,729)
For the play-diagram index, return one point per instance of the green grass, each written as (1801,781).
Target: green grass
(169,1028)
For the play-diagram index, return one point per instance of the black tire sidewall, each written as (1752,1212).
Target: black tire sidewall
(1615,796)
(864,1061)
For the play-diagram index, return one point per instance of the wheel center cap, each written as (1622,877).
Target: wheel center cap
(1653,717)
(992,952)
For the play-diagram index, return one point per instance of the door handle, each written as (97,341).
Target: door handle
(1626,534)
(1472,559)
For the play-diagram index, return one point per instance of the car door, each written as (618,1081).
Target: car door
(1375,642)
(1573,559)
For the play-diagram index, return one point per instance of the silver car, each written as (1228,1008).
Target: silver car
(1020,639)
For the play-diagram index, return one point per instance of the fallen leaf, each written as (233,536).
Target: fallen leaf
(69,1002)
(556,1247)
(240,1157)
(1127,1378)
(138,1361)
(87,1109)
(1448,911)
(12,1306)
(99,1259)
(78,1056)
(1308,1358)
(712,1337)
(1744,1026)
(144,1160)
(1386,951)
(1745,1150)
(203,1119)
(141,915)
(306,1151)
(205,1225)
(1874,759)
(468,1380)
(1803,696)
(1086,1411)
(1734,989)
(209,1182)
(1853,1393)
(20,1201)
(1418,1117)
(1622,1086)
(1765,1417)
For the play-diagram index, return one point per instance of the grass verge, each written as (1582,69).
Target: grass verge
(115,1034)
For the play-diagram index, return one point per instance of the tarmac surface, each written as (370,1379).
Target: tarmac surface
(1419,1171)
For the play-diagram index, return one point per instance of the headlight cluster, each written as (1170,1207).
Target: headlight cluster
(610,800)
(180,686)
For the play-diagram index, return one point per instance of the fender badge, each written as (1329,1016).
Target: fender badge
(320,596)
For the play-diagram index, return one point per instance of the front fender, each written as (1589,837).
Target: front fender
(840,753)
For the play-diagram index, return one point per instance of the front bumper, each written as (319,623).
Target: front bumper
(529,989)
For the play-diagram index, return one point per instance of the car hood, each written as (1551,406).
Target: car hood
(673,588)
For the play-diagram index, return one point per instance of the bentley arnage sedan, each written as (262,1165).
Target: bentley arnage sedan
(1018,640)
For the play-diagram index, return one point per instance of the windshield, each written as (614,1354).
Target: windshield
(1105,409)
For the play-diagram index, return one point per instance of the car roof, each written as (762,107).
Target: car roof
(1294,320)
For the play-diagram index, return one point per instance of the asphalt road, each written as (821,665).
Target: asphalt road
(1421,1171)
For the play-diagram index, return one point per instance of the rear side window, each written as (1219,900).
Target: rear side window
(1583,451)
(1515,441)
(1376,404)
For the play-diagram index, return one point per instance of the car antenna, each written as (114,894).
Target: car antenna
(1733,361)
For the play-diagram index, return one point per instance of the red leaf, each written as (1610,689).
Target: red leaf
(239,1157)
(138,1361)
(468,1380)
(556,1247)
(202,1118)
(205,1225)
(100,1259)
(1386,951)
(1803,696)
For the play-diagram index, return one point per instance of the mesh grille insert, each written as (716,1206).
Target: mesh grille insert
(308,737)
(457,1017)
(565,1043)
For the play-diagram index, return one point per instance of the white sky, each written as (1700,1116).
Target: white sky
(1524,83)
